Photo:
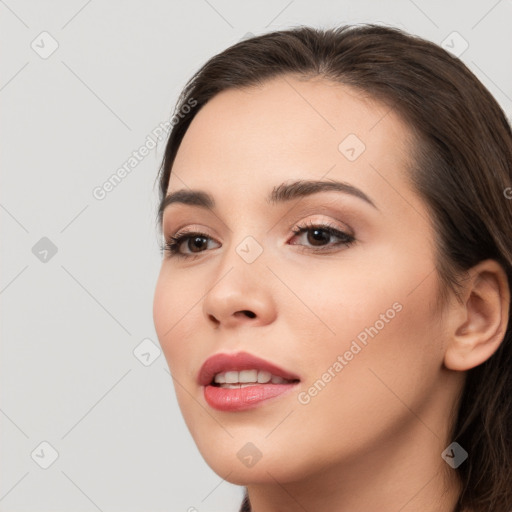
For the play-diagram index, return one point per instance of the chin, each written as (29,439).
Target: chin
(236,473)
(243,462)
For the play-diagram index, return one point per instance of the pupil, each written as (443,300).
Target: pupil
(195,244)
(318,235)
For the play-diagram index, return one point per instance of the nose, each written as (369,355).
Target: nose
(240,294)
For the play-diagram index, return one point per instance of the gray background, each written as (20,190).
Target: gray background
(72,320)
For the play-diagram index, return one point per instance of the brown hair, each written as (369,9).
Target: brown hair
(462,168)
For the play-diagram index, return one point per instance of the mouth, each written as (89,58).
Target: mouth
(234,380)
(241,381)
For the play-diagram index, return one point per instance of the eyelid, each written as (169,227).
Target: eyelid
(187,227)
(313,220)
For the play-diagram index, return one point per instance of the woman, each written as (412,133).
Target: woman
(334,298)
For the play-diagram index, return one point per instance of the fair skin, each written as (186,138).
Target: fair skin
(372,438)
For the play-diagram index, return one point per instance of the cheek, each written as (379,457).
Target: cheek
(176,306)
(380,319)
(176,301)
(369,298)
(389,339)
(385,376)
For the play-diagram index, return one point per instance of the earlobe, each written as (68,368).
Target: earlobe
(480,320)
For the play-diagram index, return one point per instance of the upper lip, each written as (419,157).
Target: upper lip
(220,363)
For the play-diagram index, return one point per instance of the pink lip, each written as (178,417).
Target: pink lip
(225,399)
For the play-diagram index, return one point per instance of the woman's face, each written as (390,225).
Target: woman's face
(345,307)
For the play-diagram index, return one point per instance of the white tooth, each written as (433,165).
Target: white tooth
(231,377)
(264,377)
(277,380)
(220,378)
(247,384)
(248,376)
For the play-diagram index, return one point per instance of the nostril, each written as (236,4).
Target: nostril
(213,319)
(250,314)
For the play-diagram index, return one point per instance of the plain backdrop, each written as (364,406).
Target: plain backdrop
(89,419)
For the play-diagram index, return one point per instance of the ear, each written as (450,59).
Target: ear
(477,324)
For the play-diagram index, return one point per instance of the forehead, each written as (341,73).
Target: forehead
(253,138)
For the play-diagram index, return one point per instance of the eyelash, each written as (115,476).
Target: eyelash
(173,243)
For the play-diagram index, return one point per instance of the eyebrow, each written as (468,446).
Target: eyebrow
(283,193)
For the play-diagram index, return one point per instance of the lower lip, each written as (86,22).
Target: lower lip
(240,399)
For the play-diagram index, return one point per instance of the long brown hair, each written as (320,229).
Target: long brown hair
(462,169)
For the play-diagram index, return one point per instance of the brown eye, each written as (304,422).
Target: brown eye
(318,236)
(197,243)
